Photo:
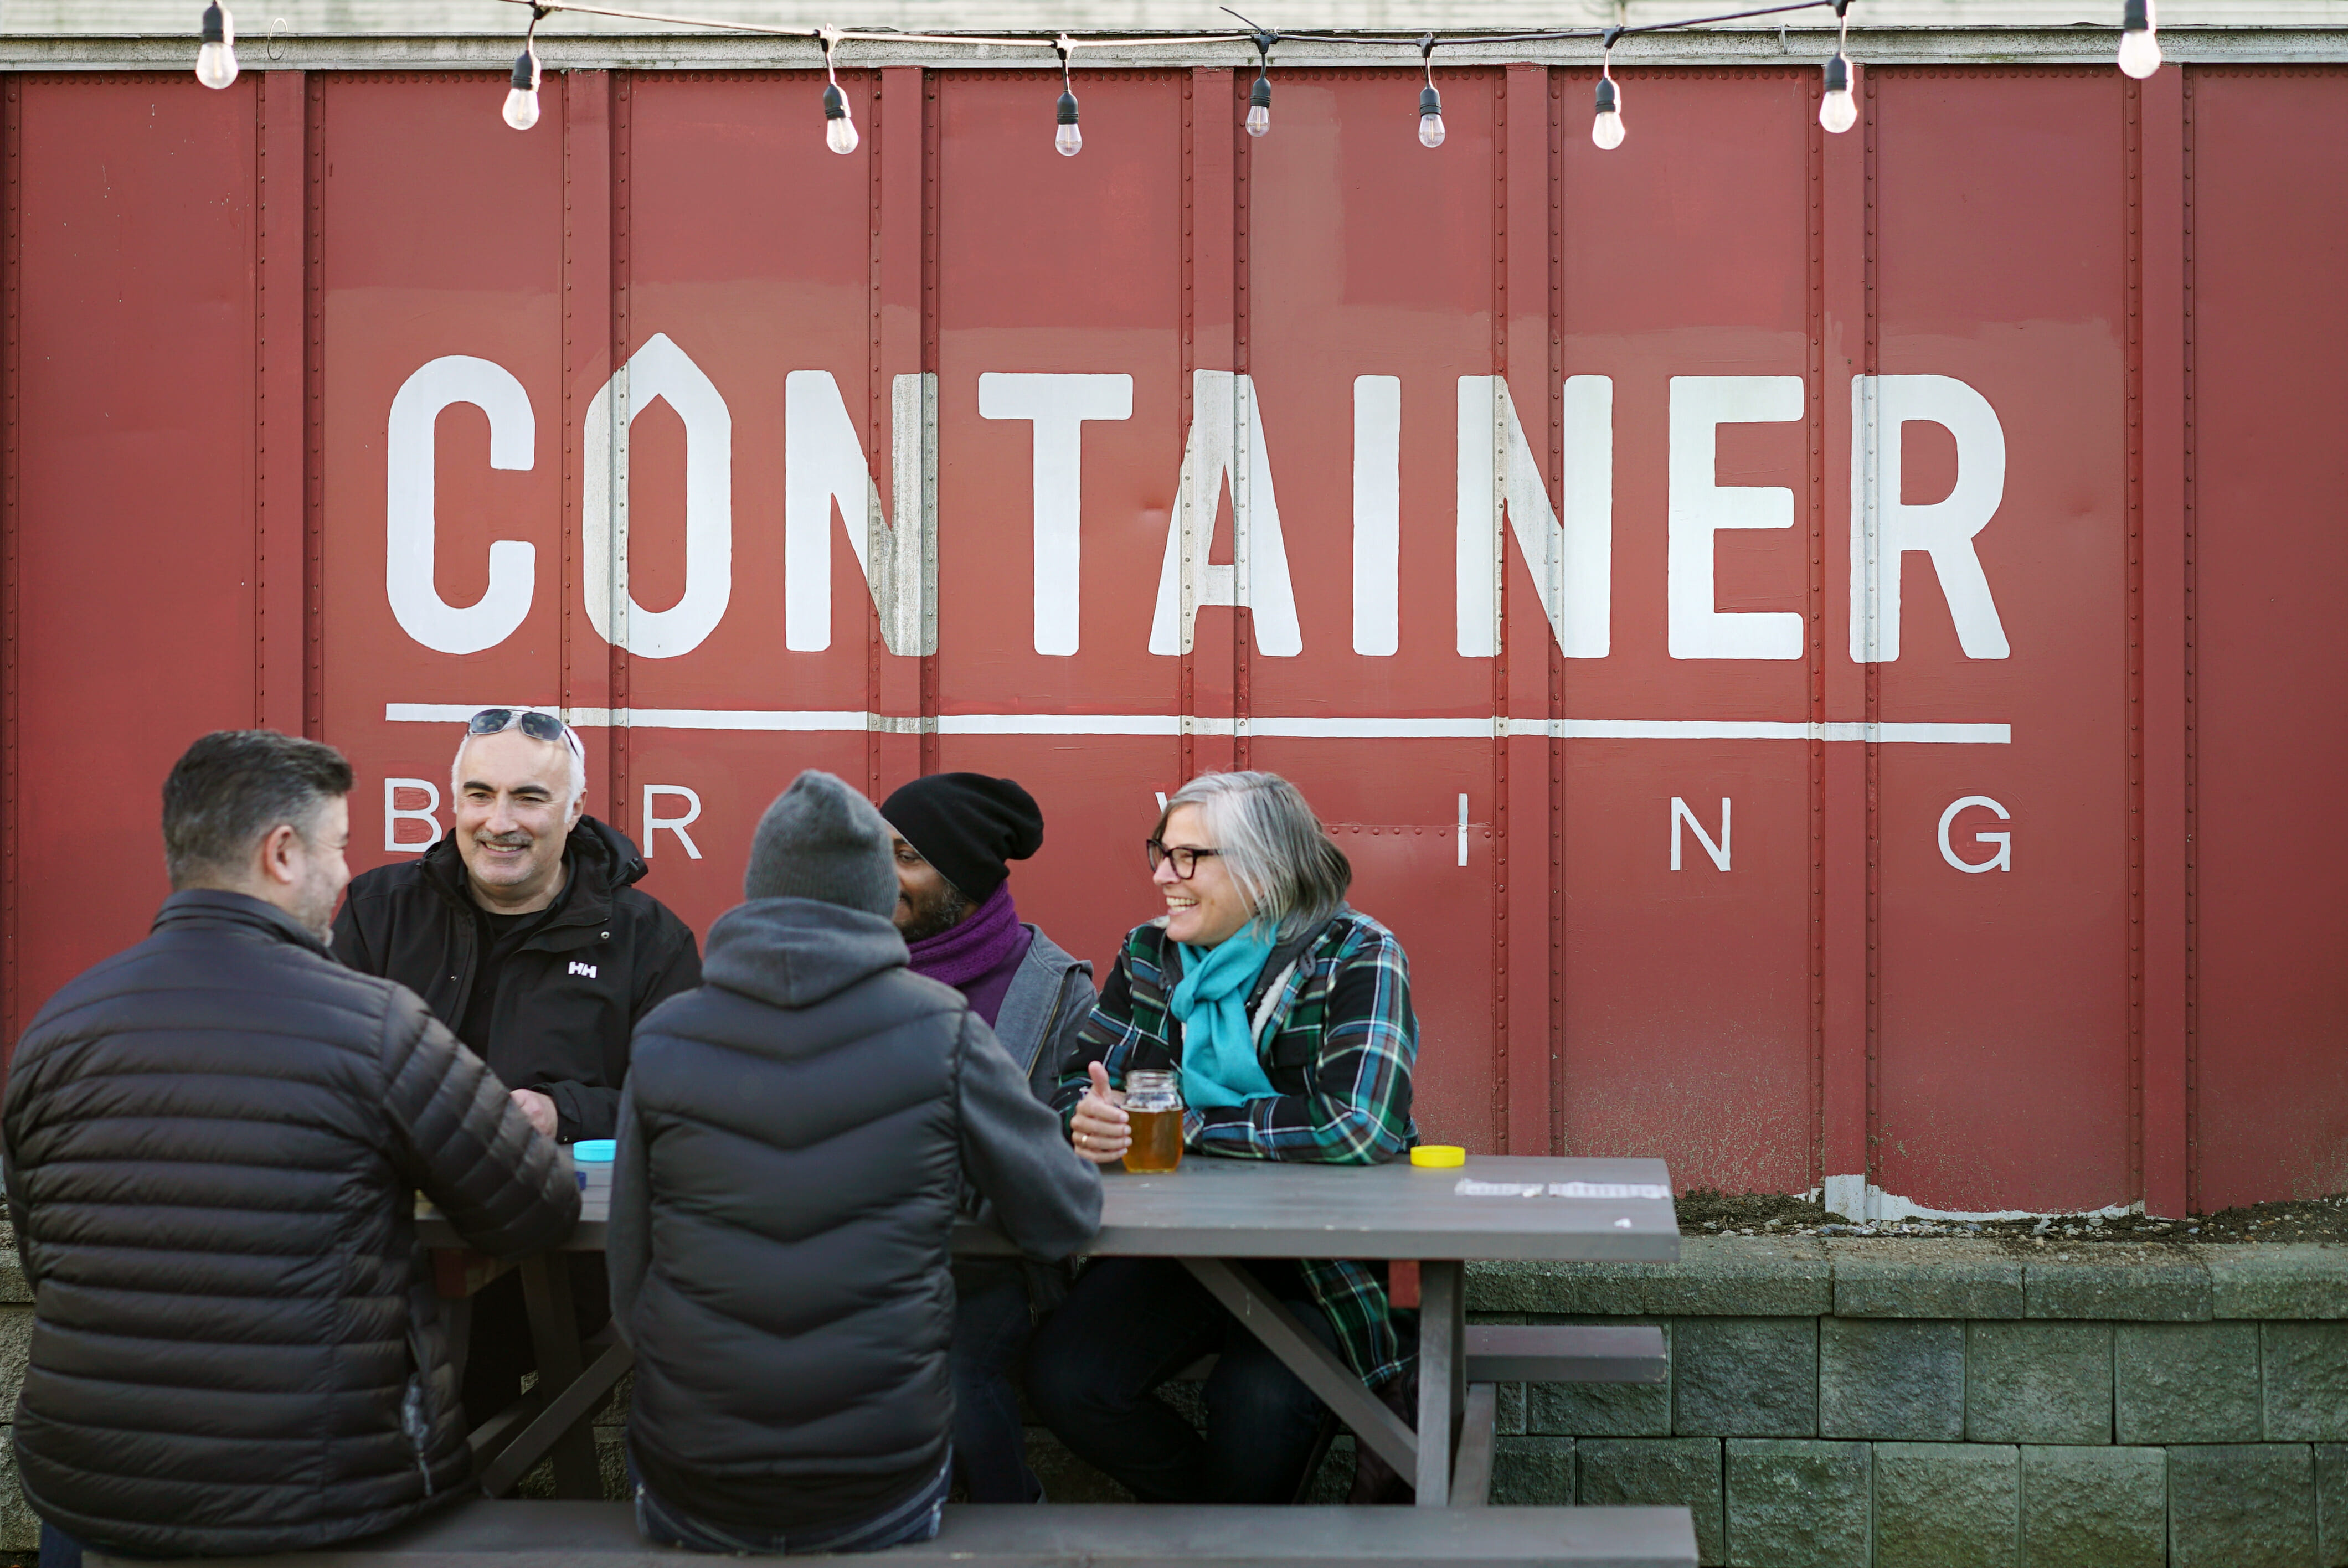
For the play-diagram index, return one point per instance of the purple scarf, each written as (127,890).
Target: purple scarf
(978,956)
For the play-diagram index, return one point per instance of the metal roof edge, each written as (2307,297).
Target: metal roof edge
(1945,46)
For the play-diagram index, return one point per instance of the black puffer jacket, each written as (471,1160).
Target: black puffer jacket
(567,1001)
(210,1143)
(793,1144)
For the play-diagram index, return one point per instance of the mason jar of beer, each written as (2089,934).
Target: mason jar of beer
(1153,1107)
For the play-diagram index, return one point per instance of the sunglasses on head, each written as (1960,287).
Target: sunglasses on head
(534,722)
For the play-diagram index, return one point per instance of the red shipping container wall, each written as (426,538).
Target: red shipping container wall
(1822,647)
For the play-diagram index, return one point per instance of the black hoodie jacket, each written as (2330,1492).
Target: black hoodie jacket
(567,1001)
(793,1144)
(213,1140)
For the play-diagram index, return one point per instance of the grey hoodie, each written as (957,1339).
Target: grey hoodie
(793,1139)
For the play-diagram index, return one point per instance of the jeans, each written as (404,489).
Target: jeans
(992,1325)
(915,1519)
(1132,1323)
(58,1550)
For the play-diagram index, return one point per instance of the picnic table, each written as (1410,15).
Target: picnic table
(1426,1222)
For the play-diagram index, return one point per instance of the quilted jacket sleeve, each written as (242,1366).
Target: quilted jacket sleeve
(465,1144)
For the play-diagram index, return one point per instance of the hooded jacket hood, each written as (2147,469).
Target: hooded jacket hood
(796,952)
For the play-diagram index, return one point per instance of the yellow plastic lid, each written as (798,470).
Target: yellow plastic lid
(1439,1155)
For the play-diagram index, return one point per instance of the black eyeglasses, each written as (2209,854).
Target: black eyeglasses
(535,723)
(1186,860)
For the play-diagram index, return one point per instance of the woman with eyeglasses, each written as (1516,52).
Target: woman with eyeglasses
(1287,1017)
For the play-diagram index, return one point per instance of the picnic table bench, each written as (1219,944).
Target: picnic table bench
(1425,1223)
(485,1534)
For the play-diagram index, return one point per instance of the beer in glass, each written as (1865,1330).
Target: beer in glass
(1153,1107)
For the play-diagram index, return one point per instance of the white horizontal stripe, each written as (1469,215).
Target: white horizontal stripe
(851,721)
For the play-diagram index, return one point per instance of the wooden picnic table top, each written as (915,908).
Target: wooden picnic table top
(1493,1208)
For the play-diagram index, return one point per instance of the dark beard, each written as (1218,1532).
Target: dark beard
(939,916)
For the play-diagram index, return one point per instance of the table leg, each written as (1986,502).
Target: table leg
(1314,1364)
(551,1421)
(554,1336)
(1471,1478)
(1442,1375)
(457,1317)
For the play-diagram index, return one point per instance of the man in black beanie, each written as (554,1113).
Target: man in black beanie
(799,1130)
(954,837)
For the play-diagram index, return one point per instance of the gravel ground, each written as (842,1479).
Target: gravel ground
(1763,1214)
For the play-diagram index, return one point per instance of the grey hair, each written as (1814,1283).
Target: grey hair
(577,755)
(1279,858)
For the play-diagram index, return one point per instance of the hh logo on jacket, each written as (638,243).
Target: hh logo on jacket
(579,968)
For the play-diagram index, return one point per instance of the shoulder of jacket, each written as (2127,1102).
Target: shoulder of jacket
(1050,955)
(928,995)
(94,984)
(386,882)
(656,917)
(1351,928)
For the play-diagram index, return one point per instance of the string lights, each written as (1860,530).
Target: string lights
(2139,45)
(1259,115)
(216,57)
(1070,139)
(1606,129)
(522,98)
(1430,102)
(1837,111)
(2139,57)
(839,125)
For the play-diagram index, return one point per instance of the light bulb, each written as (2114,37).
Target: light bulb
(216,59)
(1259,115)
(1838,111)
(839,125)
(1070,139)
(1430,117)
(521,103)
(1606,131)
(2139,45)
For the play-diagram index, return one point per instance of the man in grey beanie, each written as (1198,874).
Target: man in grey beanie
(800,1130)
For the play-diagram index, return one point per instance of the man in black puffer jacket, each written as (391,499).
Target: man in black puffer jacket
(795,1138)
(213,1143)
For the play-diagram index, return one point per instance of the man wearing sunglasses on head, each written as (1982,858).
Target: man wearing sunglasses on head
(523,931)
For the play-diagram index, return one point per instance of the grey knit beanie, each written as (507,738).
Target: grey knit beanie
(821,839)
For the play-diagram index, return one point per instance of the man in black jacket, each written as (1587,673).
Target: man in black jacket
(523,932)
(211,1142)
(797,1134)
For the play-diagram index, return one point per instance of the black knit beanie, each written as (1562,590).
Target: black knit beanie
(821,839)
(968,825)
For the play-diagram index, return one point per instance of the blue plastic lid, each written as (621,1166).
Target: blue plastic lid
(594,1150)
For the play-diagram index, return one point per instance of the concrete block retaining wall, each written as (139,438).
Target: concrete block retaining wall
(1873,1403)
(1882,1403)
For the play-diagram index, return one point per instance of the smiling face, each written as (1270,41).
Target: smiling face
(1209,907)
(514,809)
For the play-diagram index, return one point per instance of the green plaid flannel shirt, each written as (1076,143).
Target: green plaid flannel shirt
(1339,1046)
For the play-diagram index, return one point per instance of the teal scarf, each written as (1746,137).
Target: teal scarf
(1219,1060)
